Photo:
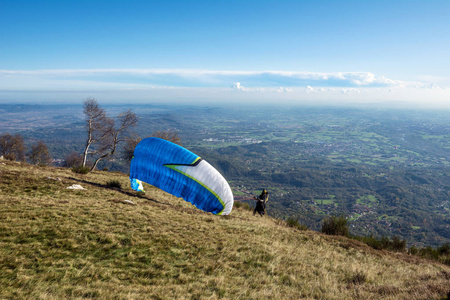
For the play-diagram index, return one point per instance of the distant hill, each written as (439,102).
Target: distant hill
(108,242)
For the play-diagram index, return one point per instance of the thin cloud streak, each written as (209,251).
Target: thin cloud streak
(203,78)
(172,85)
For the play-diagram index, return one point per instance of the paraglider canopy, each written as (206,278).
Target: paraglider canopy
(182,173)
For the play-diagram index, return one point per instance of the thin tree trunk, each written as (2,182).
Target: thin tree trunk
(85,153)
(98,159)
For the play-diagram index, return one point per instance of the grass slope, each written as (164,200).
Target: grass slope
(58,243)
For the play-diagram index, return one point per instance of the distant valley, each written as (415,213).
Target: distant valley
(388,171)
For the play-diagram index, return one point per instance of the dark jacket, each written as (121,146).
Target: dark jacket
(261,203)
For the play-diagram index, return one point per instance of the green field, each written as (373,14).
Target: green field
(368,200)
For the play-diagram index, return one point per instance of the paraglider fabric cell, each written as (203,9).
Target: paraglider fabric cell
(182,173)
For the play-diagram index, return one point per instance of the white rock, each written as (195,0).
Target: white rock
(76,187)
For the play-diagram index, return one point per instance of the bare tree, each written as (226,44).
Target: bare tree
(116,135)
(128,149)
(40,155)
(12,147)
(99,127)
(132,141)
(169,135)
(74,159)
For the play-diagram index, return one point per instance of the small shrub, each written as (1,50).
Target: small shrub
(429,252)
(441,253)
(10,156)
(397,244)
(385,243)
(444,249)
(72,160)
(114,184)
(358,278)
(12,147)
(291,222)
(40,155)
(335,226)
(371,241)
(80,169)
(446,261)
(243,205)
(413,250)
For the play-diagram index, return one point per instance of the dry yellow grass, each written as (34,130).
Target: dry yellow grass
(57,243)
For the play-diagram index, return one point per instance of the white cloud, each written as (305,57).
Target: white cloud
(282,89)
(170,84)
(204,78)
(347,91)
(238,86)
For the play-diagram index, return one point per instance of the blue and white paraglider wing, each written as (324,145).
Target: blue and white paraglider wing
(182,173)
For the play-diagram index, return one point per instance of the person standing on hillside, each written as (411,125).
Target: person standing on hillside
(261,203)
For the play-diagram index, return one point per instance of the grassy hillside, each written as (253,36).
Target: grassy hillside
(59,243)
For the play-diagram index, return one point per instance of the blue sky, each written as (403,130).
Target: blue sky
(264,51)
